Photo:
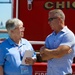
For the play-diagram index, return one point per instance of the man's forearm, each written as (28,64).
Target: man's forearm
(1,70)
(45,57)
(59,52)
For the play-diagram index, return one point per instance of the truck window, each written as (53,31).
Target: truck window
(5,14)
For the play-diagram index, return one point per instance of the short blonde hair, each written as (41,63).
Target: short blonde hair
(58,13)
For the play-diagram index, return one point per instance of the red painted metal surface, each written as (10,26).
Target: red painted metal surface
(36,23)
(40,68)
(36,20)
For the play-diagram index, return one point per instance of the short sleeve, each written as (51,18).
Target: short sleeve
(68,39)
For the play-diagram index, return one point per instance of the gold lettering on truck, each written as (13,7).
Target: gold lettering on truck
(59,5)
(48,5)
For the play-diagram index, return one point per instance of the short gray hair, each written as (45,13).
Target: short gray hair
(58,13)
(12,23)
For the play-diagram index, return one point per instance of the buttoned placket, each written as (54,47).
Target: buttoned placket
(20,51)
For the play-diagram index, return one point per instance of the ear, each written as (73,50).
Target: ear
(12,31)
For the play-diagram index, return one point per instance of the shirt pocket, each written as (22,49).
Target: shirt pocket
(57,43)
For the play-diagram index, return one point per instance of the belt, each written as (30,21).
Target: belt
(69,74)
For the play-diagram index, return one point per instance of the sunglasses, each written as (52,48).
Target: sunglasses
(50,19)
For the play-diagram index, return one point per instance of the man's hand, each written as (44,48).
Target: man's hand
(30,60)
(70,50)
(42,49)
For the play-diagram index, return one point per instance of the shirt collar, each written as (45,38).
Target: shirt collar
(13,43)
(63,30)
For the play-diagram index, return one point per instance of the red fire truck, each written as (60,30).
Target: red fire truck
(34,14)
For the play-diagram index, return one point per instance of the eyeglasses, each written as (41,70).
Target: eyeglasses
(50,19)
(20,28)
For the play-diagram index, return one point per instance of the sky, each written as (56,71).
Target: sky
(5,12)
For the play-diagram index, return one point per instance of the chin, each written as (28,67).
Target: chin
(22,35)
